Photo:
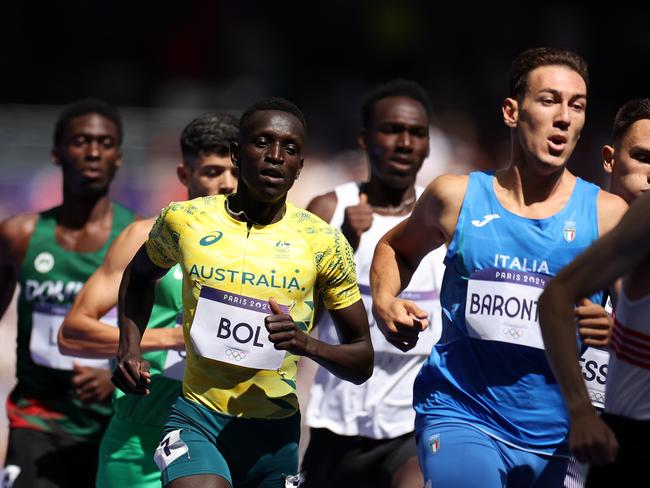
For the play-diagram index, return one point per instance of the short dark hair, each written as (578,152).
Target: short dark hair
(533,58)
(84,107)
(273,103)
(209,133)
(394,88)
(628,114)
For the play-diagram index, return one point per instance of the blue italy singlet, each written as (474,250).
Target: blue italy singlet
(489,368)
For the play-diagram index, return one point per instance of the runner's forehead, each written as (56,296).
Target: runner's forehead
(274,122)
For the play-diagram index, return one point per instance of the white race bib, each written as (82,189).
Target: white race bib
(170,449)
(593,363)
(174,367)
(426,300)
(230,328)
(46,322)
(501,306)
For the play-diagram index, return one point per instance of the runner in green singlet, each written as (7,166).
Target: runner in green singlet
(60,405)
(127,448)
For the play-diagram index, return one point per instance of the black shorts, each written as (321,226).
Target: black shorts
(341,461)
(51,461)
(630,468)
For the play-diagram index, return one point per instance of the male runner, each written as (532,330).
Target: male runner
(60,405)
(486,398)
(629,171)
(363,435)
(127,448)
(624,251)
(253,265)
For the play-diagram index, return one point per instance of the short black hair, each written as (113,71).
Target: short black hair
(273,103)
(628,114)
(394,88)
(84,107)
(209,133)
(536,57)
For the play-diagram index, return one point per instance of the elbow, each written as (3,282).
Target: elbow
(66,345)
(364,372)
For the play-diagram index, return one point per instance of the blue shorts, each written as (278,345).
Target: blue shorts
(245,452)
(459,455)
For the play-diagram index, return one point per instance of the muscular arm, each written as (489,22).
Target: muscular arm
(15,233)
(400,251)
(615,254)
(352,360)
(136,297)
(323,206)
(82,333)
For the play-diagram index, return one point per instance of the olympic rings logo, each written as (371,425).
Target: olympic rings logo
(235,355)
(596,396)
(513,332)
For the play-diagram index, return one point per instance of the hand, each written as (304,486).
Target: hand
(284,333)
(357,219)
(594,323)
(401,321)
(91,384)
(131,374)
(592,441)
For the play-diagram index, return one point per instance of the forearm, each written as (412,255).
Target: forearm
(558,332)
(352,362)
(87,338)
(136,299)
(90,338)
(389,273)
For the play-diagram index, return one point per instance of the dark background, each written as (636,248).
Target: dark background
(322,55)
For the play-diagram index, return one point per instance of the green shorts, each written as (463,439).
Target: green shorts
(246,452)
(126,456)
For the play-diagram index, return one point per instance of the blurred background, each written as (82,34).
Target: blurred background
(163,63)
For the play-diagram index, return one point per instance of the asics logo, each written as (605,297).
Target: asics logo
(210,239)
(486,220)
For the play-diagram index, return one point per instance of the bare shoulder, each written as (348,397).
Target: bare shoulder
(444,196)
(611,209)
(438,208)
(15,233)
(448,188)
(323,206)
(138,229)
(127,244)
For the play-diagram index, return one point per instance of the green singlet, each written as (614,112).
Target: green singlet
(50,278)
(127,448)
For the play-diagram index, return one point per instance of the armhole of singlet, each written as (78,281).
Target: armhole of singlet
(473,183)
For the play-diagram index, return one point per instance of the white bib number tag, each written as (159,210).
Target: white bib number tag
(230,328)
(426,300)
(175,360)
(174,365)
(170,449)
(46,322)
(501,306)
(593,363)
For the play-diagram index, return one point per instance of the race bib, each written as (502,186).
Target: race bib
(501,306)
(46,322)
(426,300)
(170,449)
(593,363)
(230,328)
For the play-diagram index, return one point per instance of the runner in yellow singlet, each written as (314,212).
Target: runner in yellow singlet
(253,265)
